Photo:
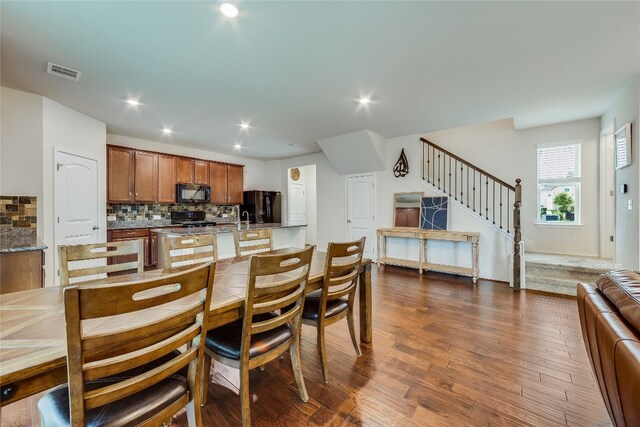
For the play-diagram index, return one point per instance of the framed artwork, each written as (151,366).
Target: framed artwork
(434,213)
(623,146)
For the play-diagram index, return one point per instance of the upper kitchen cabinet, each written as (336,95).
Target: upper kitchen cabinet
(146,177)
(192,171)
(119,175)
(226,183)
(235,183)
(201,172)
(218,182)
(184,174)
(131,175)
(166,178)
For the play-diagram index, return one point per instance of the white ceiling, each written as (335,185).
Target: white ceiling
(294,69)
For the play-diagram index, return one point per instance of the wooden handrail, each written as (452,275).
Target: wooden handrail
(472,166)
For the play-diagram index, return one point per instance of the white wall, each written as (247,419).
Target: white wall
(330,194)
(66,129)
(312,205)
(21,146)
(254,170)
(509,154)
(626,109)
(496,147)
(32,127)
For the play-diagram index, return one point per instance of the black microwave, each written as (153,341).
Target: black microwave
(193,193)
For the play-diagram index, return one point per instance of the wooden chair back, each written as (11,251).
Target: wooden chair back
(275,282)
(140,335)
(255,241)
(203,248)
(341,271)
(128,249)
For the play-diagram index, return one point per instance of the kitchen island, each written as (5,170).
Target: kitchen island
(284,236)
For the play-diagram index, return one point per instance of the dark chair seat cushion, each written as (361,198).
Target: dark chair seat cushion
(312,306)
(54,406)
(226,340)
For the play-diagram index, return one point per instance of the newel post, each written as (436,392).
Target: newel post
(517,235)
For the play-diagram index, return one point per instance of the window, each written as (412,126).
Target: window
(559,175)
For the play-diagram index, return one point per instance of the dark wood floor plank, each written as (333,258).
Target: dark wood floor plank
(445,352)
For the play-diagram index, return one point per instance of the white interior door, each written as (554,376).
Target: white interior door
(297,204)
(360,211)
(76,202)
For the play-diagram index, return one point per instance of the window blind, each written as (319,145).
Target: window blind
(559,163)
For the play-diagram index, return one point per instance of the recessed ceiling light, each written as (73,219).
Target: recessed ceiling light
(237,146)
(244,125)
(133,102)
(364,100)
(167,131)
(229,10)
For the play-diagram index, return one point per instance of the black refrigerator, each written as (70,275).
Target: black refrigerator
(263,206)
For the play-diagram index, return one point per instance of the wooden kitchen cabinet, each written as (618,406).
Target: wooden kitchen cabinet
(235,184)
(201,172)
(184,174)
(21,271)
(150,259)
(153,248)
(218,182)
(145,177)
(166,178)
(120,166)
(138,176)
(226,183)
(192,171)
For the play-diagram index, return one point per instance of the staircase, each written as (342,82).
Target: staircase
(561,273)
(493,200)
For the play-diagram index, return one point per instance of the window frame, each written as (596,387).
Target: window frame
(576,181)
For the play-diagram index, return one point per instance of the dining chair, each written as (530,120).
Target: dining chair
(132,372)
(274,282)
(200,248)
(124,256)
(253,241)
(335,300)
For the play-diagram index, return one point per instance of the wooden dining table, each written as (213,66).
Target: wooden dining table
(33,349)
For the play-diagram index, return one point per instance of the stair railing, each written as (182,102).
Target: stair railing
(481,192)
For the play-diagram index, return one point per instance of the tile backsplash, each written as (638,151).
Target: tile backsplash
(145,211)
(18,212)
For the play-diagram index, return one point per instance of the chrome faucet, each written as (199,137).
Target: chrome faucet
(247,214)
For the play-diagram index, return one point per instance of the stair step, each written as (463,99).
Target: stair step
(561,273)
(547,284)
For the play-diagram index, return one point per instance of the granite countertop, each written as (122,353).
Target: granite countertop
(220,229)
(20,240)
(143,223)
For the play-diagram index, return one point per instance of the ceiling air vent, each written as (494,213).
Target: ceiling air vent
(64,72)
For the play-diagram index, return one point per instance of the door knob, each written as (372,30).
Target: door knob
(349,221)
(95,227)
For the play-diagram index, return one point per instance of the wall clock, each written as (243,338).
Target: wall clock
(295,174)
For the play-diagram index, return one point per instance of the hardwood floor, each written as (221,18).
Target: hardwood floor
(445,353)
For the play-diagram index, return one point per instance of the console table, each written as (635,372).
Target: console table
(423,236)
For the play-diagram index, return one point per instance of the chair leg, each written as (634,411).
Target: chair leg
(205,380)
(352,331)
(194,414)
(245,397)
(294,350)
(323,354)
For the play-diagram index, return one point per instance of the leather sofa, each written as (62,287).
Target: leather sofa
(610,321)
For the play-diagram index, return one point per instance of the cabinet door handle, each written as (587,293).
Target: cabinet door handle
(129,194)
